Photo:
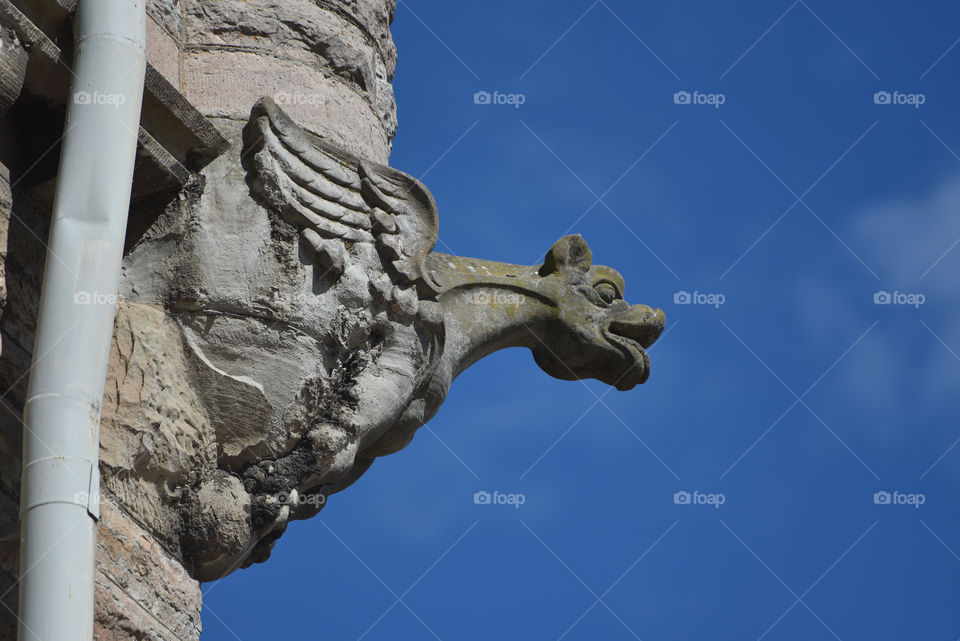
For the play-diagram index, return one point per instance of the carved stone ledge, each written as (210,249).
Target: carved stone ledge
(28,32)
(177,124)
(172,175)
(13,68)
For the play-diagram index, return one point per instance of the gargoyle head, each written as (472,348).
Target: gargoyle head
(599,335)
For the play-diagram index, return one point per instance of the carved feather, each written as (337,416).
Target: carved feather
(335,197)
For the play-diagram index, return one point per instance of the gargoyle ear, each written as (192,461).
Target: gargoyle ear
(570,252)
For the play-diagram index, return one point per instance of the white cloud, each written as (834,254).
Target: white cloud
(905,380)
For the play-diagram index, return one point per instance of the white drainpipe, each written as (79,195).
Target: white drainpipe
(59,493)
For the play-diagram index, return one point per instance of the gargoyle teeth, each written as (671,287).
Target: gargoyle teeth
(640,357)
(626,342)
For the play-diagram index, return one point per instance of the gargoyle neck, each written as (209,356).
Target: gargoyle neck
(487,306)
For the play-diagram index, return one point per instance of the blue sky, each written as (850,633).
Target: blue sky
(796,201)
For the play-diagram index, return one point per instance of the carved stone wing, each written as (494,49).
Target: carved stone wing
(337,199)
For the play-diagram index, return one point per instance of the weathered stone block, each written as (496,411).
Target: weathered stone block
(155,438)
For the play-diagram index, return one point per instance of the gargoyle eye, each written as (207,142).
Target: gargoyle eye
(607,292)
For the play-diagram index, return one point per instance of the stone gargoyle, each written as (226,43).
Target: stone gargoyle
(285,322)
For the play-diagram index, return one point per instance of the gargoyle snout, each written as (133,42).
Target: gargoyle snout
(639,323)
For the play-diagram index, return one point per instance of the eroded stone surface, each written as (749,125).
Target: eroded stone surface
(156,441)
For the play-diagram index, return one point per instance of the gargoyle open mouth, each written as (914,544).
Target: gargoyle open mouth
(639,370)
(632,335)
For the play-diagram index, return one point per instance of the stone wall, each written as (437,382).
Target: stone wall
(21,253)
(329,63)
